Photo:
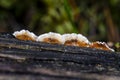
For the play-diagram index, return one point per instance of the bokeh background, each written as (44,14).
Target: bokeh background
(98,20)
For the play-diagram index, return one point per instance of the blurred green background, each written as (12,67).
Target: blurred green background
(95,19)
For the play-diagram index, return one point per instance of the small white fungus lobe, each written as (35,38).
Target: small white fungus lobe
(103,43)
(51,35)
(78,37)
(25,32)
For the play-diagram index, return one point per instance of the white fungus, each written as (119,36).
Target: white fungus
(78,37)
(72,39)
(75,40)
(25,35)
(51,37)
(101,45)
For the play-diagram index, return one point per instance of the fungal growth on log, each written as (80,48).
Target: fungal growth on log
(100,45)
(72,39)
(75,40)
(51,37)
(25,35)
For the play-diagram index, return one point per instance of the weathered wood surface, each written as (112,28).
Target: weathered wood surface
(27,60)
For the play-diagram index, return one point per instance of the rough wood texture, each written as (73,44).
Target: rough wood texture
(27,60)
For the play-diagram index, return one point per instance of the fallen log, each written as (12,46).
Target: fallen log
(38,60)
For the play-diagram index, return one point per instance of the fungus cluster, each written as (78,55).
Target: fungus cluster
(72,39)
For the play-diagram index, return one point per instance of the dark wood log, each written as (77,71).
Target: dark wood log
(42,61)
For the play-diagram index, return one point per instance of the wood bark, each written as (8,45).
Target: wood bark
(27,60)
